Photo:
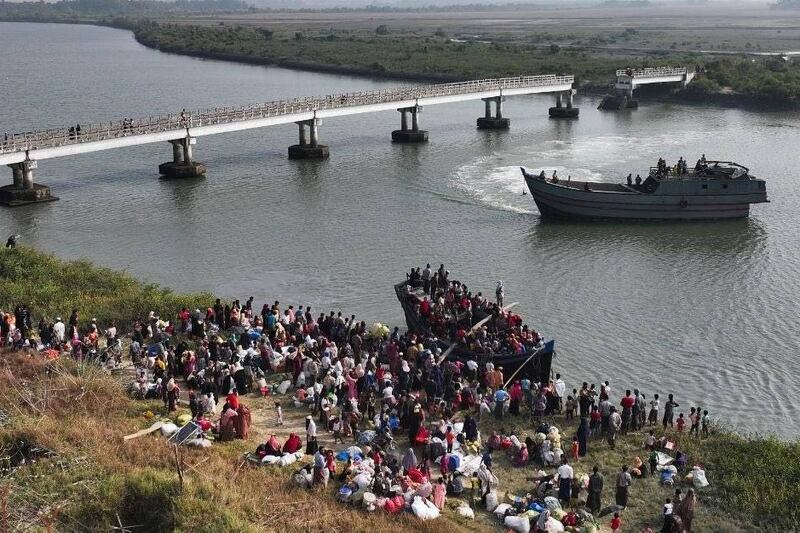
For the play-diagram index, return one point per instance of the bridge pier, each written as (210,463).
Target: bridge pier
(182,164)
(23,190)
(414,134)
(564,111)
(496,122)
(305,149)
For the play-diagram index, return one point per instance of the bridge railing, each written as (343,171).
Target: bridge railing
(652,72)
(54,137)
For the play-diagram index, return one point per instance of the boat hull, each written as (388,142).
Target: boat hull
(556,200)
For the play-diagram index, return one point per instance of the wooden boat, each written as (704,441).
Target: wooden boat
(535,364)
(716,190)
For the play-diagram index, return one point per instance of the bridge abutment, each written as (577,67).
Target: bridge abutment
(496,122)
(305,148)
(23,190)
(182,164)
(564,106)
(406,134)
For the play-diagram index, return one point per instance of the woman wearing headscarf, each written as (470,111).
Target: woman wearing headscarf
(242,422)
(686,510)
(409,460)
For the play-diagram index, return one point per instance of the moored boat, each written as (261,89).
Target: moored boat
(455,339)
(711,190)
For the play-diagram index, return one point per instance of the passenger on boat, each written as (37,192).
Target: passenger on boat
(555,177)
(542,176)
(638,179)
(630,179)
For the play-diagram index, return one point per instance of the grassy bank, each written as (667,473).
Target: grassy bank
(81,414)
(51,287)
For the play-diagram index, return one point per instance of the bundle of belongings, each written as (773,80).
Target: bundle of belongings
(272,453)
(532,513)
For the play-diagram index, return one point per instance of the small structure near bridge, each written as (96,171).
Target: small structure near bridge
(629,79)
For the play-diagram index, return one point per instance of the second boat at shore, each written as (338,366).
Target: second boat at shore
(712,190)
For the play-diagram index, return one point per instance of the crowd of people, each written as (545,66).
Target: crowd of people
(374,386)
(448,309)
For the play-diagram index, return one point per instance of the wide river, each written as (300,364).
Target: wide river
(708,311)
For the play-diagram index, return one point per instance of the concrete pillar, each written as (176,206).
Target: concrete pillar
(314,132)
(303,140)
(496,122)
(560,111)
(177,151)
(406,135)
(187,151)
(306,149)
(182,164)
(27,177)
(16,171)
(24,190)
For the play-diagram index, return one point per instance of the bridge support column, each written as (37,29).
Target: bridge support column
(182,164)
(23,190)
(406,135)
(496,122)
(305,149)
(564,107)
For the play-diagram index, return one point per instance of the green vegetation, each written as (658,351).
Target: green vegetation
(51,287)
(431,56)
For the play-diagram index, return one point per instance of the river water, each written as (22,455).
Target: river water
(708,311)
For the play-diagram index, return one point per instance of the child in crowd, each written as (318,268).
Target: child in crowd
(595,421)
(575,448)
(279,413)
(694,420)
(569,408)
(337,430)
(706,421)
(652,417)
(616,523)
(450,437)
(681,423)
(650,441)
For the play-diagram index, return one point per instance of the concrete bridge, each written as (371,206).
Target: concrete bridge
(22,151)
(629,79)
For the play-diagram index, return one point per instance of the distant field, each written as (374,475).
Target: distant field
(687,28)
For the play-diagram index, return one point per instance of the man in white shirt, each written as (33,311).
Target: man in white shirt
(59,329)
(561,388)
(565,475)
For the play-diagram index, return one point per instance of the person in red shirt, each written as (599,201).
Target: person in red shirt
(616,523)
(627,404)
(450,436)
(575,448)
(681,423)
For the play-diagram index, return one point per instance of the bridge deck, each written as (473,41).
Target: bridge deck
(59,142)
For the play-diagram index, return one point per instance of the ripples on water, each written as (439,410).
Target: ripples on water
(707,311)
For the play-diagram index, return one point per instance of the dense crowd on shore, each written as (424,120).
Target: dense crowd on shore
(372,385)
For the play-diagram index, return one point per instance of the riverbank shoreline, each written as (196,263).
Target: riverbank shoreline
(685,96)
(743,492)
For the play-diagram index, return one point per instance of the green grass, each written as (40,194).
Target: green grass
(52,287)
